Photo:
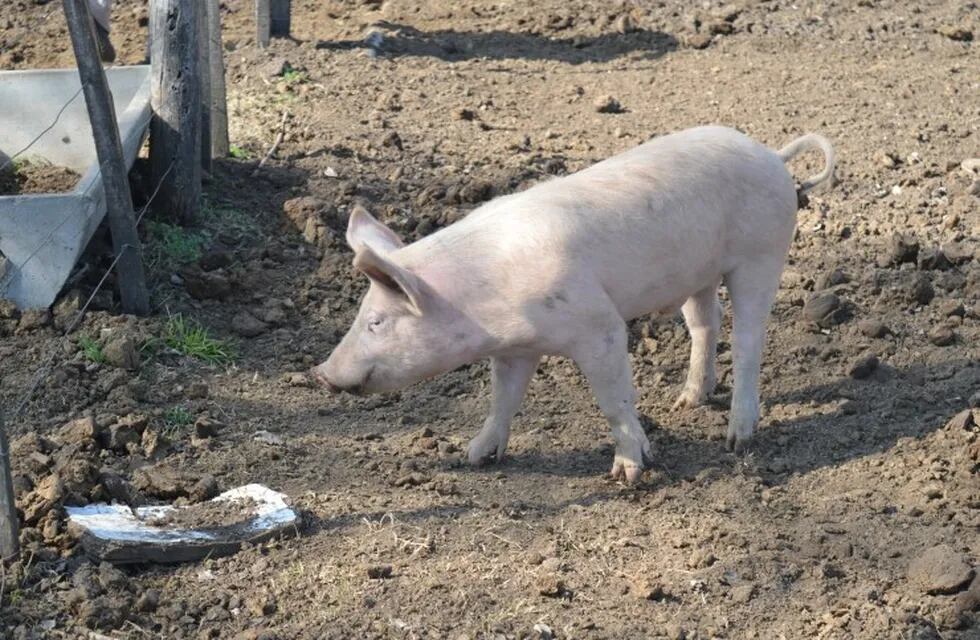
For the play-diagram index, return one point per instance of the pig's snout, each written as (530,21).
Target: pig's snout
(321,378)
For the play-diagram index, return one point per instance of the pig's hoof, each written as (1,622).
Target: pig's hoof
(486,449)
(738,443)
(689,399)
(626,471)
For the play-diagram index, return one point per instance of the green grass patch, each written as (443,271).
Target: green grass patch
(191,339)
(238,153)
(91,349)
(169,246)
(177,417)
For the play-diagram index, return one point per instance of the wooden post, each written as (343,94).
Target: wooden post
(115,177)
(219,103)
(279,22)
(263,22)
(175,94)
(9,541)
(204,65)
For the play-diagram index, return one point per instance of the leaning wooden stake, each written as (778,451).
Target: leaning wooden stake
(9,543)
(175,94)
(219,103)
(105,131)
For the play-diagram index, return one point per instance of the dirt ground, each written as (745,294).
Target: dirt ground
(855,513)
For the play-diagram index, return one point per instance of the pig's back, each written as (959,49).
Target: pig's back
(661,221)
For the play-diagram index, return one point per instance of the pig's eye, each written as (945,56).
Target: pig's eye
(374,324)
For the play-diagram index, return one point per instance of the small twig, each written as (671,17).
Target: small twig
(275,145)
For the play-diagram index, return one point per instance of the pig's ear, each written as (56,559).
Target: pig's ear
(392,277)
(364,230)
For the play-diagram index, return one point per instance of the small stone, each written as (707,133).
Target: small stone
(269,438)
(207,427)
(624,24)
(743,593)
(863,367)
(675,631)
(247,325)
(607,104)
(940,570)
(957,253)
(932,259)
(413,479)
(547,583)
(887,159)
(942,336)
(820,307)
(959,33)
(961,421)
(721,28)
(873,328)
(121,353)
(206,285)
(148,601)
(118,436)
(379,572)
(968,600)
(645,589)
(830,279)
(204,489)
(274,67)
(950,308)
(78,431)
(921,290)
(393,140)
(903,249)
(33,319)
(698,40)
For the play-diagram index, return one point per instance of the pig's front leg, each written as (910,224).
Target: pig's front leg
(511,376)
(604,360)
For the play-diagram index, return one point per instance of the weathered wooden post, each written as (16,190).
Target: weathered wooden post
(9,542)
(204,65)
(175,95)
(279,21)
(219,102)
(105,131)
(272,18)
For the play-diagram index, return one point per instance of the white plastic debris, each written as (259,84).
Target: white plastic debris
(117,534)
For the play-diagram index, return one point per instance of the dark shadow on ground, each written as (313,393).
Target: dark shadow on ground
(399,40)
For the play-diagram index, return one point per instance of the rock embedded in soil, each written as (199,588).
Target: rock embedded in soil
(873,328)
(940,570)
(379,572)
(247,325)
(961,421)
(942,336)
(903,249)
(607,104)
(698,40)
(863,367)
(824,309)
(121,352)
(932,259)
(956,32)
(921,290)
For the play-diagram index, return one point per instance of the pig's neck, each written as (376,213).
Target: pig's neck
(459,267)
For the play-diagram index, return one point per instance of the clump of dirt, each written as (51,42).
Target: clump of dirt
(207,515)
(37,177)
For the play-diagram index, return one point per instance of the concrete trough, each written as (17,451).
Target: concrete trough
(43,235)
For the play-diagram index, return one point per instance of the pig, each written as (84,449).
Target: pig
(560,268)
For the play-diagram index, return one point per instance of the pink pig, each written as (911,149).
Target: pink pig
(559,269)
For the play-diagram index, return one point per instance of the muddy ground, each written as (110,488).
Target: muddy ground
(856,512)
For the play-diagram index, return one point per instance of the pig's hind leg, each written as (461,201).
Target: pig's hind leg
(752,287)
(702,313)
(511,376)
(604,359)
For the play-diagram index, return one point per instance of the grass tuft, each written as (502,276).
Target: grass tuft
(92,350)
(191,339)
